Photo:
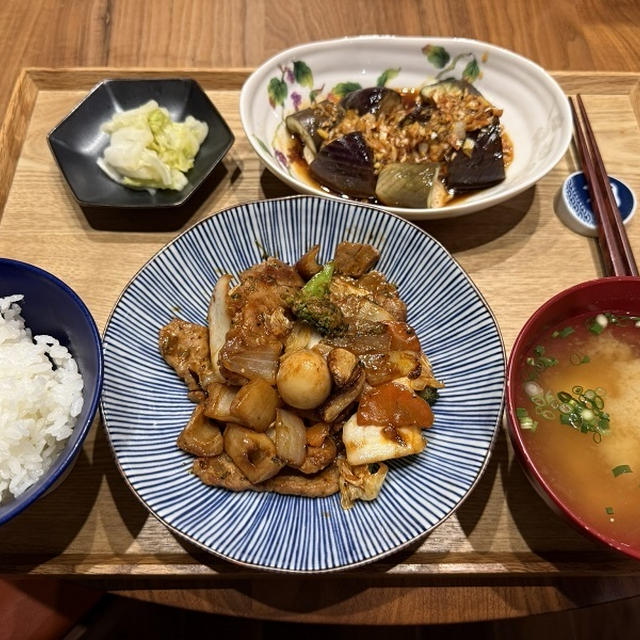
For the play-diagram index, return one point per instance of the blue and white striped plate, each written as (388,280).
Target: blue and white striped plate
(145,406)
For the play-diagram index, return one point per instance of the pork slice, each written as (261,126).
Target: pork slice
(259,321)
(355,259)
(220,471)
(384,293)
(185,347)
(293,483)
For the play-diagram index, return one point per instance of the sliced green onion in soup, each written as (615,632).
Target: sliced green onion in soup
(598,324)
(620,469)
(563,333)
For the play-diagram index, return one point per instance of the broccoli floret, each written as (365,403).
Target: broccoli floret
(318,286)
(430,394)
(313,306)
(320,313)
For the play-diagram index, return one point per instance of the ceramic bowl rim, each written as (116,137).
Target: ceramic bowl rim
(80,431)
(250,86)
(341,568)
(531,471)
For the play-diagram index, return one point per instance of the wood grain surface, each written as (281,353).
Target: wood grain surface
(502,554)
(584,35)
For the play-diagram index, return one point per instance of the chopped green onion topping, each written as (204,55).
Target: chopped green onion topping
(609,510)
(538,401)
(620,469)
(525,420)
(540,361)
(584,411)
(563,333)
(598,324)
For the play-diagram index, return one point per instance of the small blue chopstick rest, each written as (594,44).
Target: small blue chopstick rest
(574,205)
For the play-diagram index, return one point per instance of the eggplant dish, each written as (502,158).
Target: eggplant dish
(306,379)
(413,148)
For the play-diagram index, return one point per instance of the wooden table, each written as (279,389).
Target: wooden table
(504,553)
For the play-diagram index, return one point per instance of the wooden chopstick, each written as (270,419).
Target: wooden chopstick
(613,240)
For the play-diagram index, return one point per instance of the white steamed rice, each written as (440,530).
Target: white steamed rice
(39,402)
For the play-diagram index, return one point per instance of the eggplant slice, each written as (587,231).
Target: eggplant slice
(371,100)
(421,113)
(411,185)
(346,166)
(306,123)
(480,162)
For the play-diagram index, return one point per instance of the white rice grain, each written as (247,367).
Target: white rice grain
(40,399)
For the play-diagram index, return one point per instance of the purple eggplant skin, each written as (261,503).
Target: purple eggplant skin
(484,167)
(305,123)
(346,166)
(420,113)
(371,100)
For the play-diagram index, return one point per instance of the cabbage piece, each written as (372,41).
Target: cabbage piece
(360,482)
(148,150)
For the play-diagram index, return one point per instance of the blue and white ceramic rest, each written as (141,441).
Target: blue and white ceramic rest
(574,206)
(145,404)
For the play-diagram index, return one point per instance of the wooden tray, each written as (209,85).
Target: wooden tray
(518,254)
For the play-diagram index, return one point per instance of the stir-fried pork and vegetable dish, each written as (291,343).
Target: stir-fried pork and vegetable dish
(414,149)
(306,380)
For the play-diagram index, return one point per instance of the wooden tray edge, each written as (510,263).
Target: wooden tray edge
(13,130)
(33,79)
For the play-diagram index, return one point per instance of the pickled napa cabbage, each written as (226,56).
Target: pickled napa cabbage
(148,150)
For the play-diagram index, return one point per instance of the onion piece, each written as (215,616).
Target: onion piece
(302,336)
(218,403)
(291,437)
(341,401)
(254,363)
(219,321)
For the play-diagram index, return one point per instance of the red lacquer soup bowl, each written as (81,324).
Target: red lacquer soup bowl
(570,415)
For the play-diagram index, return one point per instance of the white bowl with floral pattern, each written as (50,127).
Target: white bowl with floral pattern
(536,113)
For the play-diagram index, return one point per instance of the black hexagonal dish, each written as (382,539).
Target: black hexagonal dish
(77,142)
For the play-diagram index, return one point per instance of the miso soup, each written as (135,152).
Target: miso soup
(578,409)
